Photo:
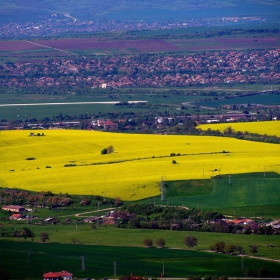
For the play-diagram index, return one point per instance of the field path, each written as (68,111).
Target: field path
(44,46)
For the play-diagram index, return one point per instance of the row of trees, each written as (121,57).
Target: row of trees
(189,241)
(48,199)
(22,233)
(244,135)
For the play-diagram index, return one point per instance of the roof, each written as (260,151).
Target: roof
(50,275)
(16,216)
(63,273)
(12,207)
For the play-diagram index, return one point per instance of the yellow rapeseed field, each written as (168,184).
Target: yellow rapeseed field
(140,161)
(267,127)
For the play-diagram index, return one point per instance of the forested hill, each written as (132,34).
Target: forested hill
(18,10)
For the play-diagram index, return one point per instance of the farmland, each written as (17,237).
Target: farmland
(99,261)
(135,168)
(129,255)
(269,128)
(94,46)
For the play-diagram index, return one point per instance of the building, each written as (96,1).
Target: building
(13,208)
(62,275)
(16,217)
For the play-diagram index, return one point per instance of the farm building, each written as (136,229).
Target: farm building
(62,275)
(15,217)
(13,208)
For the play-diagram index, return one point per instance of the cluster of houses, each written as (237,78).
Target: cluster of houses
(209,68)
(17,212)
(62,275)
(113,217)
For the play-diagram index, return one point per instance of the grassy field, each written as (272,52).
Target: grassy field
(100,251)
(133,171)
(266,127)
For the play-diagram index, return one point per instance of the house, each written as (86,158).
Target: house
(15,217)
(13,208)
(62,275)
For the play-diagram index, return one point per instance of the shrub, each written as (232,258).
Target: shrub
(161,243)
(75,240)
(148,242)
(174,161)
(254,249)
(190,241)
(30,158)
(92,226)
(218,247)
(44,236)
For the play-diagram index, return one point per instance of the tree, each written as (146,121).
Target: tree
(75,240)
(110,149)
(190,241)
(26,232)
(254,249)
(218,247)
(104,151)
(161,243)
(92,226)
(44,236)
(148,242)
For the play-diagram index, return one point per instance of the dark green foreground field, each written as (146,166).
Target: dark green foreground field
(124,246)
(31,260)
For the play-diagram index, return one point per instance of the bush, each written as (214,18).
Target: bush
(107,150)
(174,161)
(161,243)
(190,241)
(254,249)
(218,247)
(44,236)
(148,242)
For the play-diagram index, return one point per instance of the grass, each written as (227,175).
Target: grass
(99,259)
(137,175)
(264,127)
(240,195)
(112,236)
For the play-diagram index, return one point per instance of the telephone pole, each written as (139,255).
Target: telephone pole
(115,268)
(83,263)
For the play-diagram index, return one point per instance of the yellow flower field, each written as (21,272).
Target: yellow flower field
(267,127)
(140,161)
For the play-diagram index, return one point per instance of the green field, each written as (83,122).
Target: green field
(99,258)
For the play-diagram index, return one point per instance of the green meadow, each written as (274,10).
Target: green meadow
(105,245)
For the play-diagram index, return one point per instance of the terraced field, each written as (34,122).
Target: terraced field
(135,168)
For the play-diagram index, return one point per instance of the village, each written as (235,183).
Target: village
(120,217)
(147,70)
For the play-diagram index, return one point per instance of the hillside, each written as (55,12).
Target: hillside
(134,10)
(135,168)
